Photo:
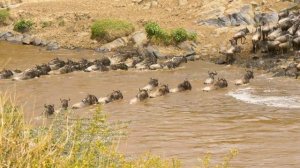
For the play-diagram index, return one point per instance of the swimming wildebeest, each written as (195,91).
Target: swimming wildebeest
(27,74)
(98,66)
(141,96)
(153,83)
(6,74)
(49,109)
(43,69)
(249,75)
(65,103)
(221,83)
(56,63)
(121,66)
(115,95)
(88,101)
(211,77)
(184,86)
(162,90)
(241,35)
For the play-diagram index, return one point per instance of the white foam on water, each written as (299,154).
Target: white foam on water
(246,95)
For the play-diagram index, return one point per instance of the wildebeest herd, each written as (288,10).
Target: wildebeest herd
(271,38)
(152,90)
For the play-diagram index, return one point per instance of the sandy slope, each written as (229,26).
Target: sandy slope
(77,16)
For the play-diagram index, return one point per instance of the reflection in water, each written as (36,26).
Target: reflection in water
(183,125)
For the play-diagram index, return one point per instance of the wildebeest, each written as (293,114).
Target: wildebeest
(241,35)
(184,86)
(153,83)
(49,109)
(88,101)
(211,77)
(65,103)
(249,75)
(162,90)
(141,96)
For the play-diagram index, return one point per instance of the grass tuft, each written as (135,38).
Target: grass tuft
(4,14)
(159,35)
(23,26)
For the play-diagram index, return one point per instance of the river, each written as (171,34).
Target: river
(261,120)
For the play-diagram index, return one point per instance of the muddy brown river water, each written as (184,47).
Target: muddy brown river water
(261,120)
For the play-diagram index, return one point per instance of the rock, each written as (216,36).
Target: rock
(44,43)
(52,46)
(120,42)
(27,39)
(242,17)
(155,66)
(5,35)
(268,17)
(15,39)
(187,46)
(154,3)
(147,6)
(182,2)
(298,66)
(36,41)
(139,38)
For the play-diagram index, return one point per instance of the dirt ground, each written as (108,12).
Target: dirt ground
(69,21)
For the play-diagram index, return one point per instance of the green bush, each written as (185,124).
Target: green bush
(109,30)
(153,30)
(157,34)
(179,35)
(23,26)
(4,14)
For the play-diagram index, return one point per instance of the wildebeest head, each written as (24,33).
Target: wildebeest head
(43,69)
(121,66)
(49,109)
(212,74)
(116,95)
(249,75)
(104,61)
(5,74)
(90,100)
(185,85)
(163,89)
(153,82)
(64,103)
(142,95)
(57,61)
(31,73)
(221,83)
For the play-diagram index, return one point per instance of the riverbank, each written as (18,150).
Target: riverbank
(71,27)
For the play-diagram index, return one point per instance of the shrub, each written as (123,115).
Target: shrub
(109,30)
(179,35)
(46,24)
(153,30)
(4,14)
(23,26)
(66,142)
(158,35)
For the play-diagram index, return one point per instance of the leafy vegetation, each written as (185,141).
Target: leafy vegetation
(206,161)
(109,29)
(23,26)
(157,34)
(67,142)
(4,14)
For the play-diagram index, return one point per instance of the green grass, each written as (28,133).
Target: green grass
(4,14)
(159,35)
(109,30)
(23,26)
